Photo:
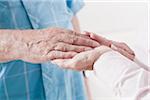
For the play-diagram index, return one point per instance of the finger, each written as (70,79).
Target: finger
(86,33)
(100,39)
(79,34)
(80,40)
(123,52)
(60,55)
(126,54)
(83,35)
(85,42)
(68,47)
(123,46)
(102,49)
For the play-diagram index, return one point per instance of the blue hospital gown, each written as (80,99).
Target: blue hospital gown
(21,80)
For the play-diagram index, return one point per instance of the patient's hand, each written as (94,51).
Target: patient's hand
(121,47)
(84,60)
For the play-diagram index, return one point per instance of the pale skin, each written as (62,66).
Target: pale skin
(85,60)
(54,44)
(37,46)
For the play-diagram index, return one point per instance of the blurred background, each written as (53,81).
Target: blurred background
(120,21)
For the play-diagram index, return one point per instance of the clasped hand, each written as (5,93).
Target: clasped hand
(85,60)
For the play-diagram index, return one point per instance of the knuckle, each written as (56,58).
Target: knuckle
(74,39)
(55,46)
(59,46)
(71,39)
(62,46)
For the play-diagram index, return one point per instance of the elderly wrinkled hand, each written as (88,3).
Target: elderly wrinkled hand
(38,46)
(85,60)
(57,43)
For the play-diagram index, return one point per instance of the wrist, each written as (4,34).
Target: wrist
(17,47)
(26,41)
(7,46)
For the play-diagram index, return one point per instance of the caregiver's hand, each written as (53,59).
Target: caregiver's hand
(121,47)
(83,60)
(38,46)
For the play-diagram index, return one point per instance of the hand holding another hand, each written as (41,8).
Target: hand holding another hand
(83,60)
(120,47)
(44,45)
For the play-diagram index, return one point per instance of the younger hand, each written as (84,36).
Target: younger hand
(84,60)
(121,47)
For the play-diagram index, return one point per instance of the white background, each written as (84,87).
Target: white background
(120,21)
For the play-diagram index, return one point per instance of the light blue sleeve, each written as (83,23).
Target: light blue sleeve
(75,5)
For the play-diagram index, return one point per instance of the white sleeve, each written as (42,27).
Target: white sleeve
(123,77)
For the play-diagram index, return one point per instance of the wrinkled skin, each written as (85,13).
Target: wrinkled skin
(48,44)
(85,60)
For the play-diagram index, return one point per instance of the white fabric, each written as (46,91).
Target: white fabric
(116,77)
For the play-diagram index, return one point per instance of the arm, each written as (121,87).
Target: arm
(38,46)
(9,45)
(122,75)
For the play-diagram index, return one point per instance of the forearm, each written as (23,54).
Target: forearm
(30,45)
(12,45)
